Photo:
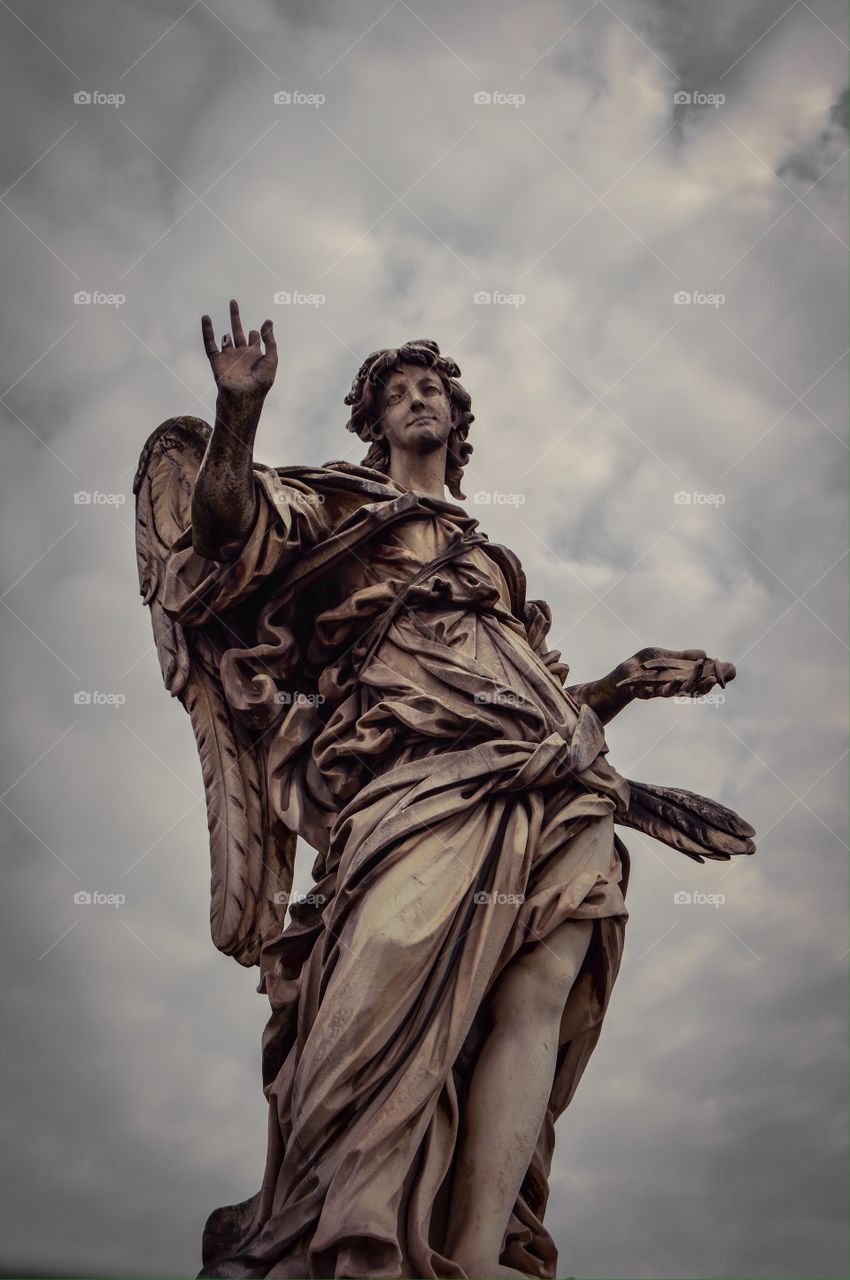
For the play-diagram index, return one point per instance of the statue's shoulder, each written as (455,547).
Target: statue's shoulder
(511,567)
(342,488)
(536,615)
(341,475)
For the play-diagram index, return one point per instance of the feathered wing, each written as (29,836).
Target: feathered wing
(687,821)
(252,855)
(695,825)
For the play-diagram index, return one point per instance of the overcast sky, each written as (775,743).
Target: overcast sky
(707,1137)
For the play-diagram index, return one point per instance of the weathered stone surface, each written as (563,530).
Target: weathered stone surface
(362,668)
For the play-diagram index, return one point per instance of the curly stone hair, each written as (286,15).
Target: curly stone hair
(365,400)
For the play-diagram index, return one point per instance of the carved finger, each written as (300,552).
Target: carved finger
(208,336)
(254,338)
(711,673)
(694,678)
(267,330)
(236,324)
(647,680)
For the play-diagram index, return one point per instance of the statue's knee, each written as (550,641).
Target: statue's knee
(538,980)
(528,993)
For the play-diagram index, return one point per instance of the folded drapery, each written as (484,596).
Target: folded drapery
(405,717)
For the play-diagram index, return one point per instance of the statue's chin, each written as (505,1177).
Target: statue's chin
(423,437)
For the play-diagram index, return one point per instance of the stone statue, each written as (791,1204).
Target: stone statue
(362,668)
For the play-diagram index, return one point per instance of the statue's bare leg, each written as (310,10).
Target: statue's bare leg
(508,1093)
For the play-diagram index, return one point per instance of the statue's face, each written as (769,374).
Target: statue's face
(416,413)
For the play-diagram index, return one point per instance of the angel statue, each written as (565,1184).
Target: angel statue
(363,669)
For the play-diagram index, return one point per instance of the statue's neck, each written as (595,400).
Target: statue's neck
(422,473)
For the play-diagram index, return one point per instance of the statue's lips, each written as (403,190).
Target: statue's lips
(424,417)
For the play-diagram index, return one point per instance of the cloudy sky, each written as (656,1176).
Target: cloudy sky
(581,163)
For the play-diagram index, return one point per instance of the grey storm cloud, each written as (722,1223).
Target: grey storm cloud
(823,152)
(674,473)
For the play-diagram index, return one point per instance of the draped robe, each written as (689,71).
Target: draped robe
(461,806)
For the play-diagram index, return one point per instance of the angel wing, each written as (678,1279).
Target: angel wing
(695,825)
(252,855)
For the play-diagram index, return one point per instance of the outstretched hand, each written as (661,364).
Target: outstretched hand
(243,371)
(665,673)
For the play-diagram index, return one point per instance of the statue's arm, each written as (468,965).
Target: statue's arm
(603,696)
(224,499)
(653,673)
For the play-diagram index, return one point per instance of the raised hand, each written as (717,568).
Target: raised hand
(665,673)
(224,498)
(243,371)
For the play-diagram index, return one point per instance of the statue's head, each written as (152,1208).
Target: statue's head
(408,399)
